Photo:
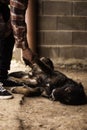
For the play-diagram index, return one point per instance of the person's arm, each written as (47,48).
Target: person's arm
(18,11)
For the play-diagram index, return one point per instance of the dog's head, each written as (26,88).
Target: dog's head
(45,60)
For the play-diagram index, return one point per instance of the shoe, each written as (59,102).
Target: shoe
(4,94)
(8,82)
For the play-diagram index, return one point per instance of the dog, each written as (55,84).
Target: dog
(55,85)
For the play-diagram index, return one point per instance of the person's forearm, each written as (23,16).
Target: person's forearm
(18,11)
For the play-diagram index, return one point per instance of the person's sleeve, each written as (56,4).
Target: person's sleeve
(18,11)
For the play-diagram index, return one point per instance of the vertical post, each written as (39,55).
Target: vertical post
(31,25)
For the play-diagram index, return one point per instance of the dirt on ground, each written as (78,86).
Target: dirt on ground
(39,113)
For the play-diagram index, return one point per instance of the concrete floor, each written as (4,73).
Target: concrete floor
(41,113)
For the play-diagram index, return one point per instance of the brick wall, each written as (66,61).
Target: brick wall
(62,29)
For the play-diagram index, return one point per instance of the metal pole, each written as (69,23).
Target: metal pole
(31,25)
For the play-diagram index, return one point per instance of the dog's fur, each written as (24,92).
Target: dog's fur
(54,85)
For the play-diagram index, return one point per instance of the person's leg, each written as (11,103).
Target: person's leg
(6,48)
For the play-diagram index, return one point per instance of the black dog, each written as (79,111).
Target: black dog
(54,85)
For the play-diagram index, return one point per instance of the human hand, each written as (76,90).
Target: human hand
(29,57)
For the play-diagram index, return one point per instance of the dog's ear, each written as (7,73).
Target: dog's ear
(81,86)
(48,62)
